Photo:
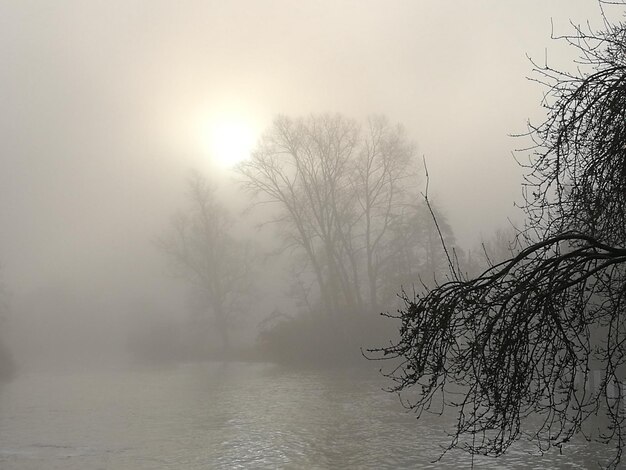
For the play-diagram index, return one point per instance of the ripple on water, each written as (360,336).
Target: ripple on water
(228,416)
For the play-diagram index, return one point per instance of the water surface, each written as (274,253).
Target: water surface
(228,416)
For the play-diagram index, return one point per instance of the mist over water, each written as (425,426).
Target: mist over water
(230,416)
(114,352)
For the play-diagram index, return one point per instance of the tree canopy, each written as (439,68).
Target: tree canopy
(535,346)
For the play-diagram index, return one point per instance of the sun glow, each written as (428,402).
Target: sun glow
(229,140)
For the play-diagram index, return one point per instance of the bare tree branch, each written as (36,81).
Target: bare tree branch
(514,351)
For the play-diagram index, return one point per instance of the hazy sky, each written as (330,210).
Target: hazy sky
(105,104)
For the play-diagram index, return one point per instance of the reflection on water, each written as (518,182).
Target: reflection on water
(228,416)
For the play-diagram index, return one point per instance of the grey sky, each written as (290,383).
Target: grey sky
(101,101)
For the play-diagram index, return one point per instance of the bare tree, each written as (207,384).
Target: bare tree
(385,189)
(414,255)
(541,334)
(338,188)
(204,252)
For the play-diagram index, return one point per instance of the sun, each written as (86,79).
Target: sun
(229,140)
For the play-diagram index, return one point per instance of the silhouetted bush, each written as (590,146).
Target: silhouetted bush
(320,340)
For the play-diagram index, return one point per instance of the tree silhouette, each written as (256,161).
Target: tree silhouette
(339,190)
(203,251)
(536,345)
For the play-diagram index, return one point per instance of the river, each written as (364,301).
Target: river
(228,416)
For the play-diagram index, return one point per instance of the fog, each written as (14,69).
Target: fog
(108,106)
(104,106)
